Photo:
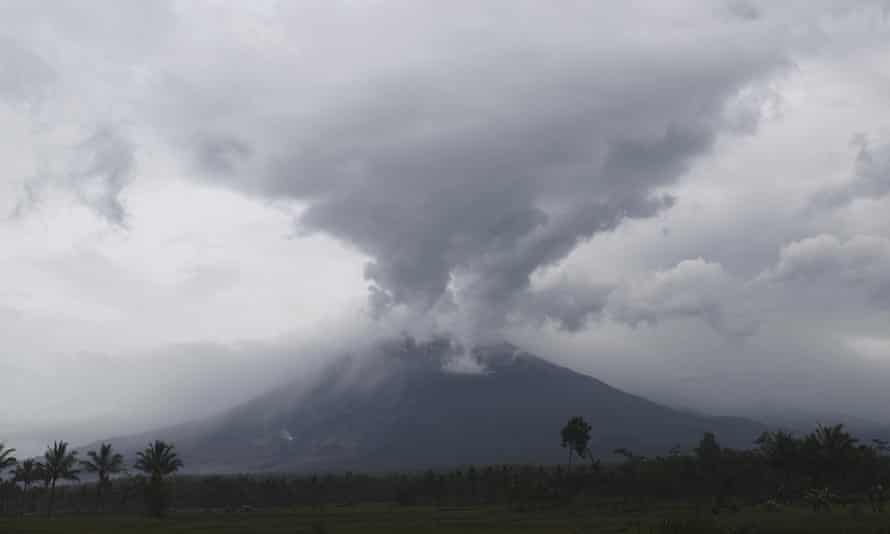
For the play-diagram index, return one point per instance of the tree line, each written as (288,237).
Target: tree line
(822,469)
(825,467)
(60,463)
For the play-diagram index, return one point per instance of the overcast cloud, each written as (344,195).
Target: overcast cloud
(686,199)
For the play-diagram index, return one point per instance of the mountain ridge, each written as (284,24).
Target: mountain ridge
(420,405)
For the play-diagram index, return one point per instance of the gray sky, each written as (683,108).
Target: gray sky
(688,199)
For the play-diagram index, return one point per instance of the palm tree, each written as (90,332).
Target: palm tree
(833,441)
(157,461)
(58,464)
(779,448)
(708,452)
(104,463)
(782,452)
(27,473)
(830,448)
(43,474)
(575,437)
(7,460)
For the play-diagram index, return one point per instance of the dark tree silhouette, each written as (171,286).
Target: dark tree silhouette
(708,451)
(831,449)
(575,437)
(26,473)
(43,474)
(833,441)
(58,464)
(822,468)
(7,459)
(782,453)
(157,461)
(104,463)
(779,448)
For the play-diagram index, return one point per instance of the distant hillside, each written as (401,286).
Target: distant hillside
(414,406)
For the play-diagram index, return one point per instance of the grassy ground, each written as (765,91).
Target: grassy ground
(381,519)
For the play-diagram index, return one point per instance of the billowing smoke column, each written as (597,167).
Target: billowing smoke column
(461,175)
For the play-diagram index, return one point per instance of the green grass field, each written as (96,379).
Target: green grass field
(394,519)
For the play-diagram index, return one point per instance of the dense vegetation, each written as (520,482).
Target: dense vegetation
(825,473)
(33,484)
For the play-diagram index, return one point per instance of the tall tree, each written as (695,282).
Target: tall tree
(58,464)
(26,473)
(7,460)
(43,474)
(157,461)
(104,463)
(833,441)
(833,449)
(779,448)
(575,437)
(708,452)
(782,452)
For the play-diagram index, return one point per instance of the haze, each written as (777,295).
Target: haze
(203,199)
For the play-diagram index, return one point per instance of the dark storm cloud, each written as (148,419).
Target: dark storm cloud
(461,179)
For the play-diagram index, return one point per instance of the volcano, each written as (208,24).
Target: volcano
(425,405)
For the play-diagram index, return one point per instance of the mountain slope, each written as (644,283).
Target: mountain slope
(416,406)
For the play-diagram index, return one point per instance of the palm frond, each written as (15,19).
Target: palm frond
(59,462)
(158,459)
(105,462)
(6,457)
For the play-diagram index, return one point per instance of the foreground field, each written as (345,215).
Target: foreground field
(395,519)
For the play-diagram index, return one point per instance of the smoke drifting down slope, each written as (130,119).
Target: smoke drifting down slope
(412,406)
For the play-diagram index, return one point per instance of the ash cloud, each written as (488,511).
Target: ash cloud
(101,172)
(467,151)
(462,177)
(97,170)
